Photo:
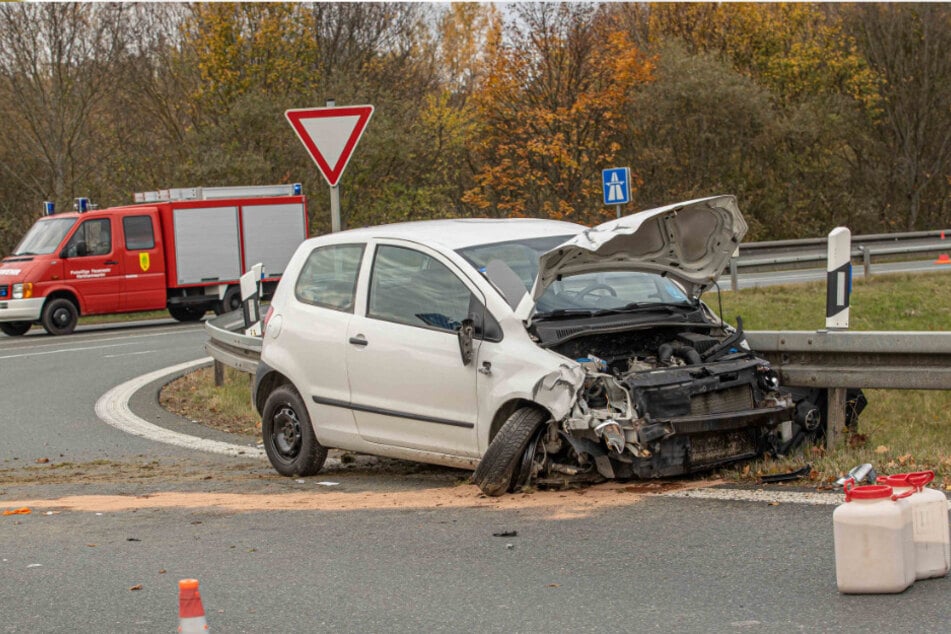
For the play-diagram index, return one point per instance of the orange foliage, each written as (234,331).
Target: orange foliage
(553,101)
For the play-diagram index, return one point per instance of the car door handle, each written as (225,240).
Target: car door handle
(358,340)
(112,262)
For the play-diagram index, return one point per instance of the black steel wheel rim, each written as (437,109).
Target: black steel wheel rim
(286,435)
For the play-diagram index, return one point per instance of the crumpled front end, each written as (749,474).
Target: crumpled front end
(681,403)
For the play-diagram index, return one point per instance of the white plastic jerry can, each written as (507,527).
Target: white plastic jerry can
(930,529)
(874,548)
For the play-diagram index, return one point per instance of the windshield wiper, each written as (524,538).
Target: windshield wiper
(634,307)
(558,313)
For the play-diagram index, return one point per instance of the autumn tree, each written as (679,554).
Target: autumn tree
(909,44)
(550,108)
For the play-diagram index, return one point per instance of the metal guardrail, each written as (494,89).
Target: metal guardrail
(229,347)
(856,359)
(864,252)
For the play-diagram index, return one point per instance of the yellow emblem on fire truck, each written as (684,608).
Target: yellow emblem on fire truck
(144,262)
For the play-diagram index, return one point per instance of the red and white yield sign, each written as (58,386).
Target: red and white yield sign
(330,135)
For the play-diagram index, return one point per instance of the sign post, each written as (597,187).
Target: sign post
(330,135)
(616,183)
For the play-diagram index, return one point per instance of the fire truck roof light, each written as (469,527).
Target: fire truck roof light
(49,208)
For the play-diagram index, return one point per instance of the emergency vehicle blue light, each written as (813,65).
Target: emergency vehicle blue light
(49,208)
(82,205)
(297,189)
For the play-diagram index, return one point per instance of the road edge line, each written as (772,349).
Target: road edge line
(113,409)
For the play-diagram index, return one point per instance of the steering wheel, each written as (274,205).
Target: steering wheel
(597,286)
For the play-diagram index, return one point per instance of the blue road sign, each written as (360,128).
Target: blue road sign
(617,185)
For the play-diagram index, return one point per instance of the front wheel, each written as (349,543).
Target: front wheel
(289,438)
(185,313)
(496,473)
(15,328)
(60,316)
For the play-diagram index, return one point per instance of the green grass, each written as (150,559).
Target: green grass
(227,408)
(900,430)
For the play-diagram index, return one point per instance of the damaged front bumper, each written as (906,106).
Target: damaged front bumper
(662,422)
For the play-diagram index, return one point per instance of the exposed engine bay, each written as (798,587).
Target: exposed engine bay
(653,401)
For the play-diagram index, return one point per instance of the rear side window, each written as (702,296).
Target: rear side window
(329,277)
(138,233)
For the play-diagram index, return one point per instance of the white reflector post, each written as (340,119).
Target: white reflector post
(838,279)
(250,299)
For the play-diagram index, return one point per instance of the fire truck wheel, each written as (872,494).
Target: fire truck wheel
(186,313)
(60,316)
(15,328)
(231,301)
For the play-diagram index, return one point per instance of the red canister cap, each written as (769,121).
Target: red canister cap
(868,492)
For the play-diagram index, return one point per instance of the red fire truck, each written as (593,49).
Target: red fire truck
(180,249)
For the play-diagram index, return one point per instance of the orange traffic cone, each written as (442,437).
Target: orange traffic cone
(191,614)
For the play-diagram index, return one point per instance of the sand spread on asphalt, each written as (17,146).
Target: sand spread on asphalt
(568,504)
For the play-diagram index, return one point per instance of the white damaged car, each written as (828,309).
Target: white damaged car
(537,352)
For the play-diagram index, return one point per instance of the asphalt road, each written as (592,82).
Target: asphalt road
(49,386)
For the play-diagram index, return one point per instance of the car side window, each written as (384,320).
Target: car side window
(138,233)
(329,277)
(93,237)
(410,287)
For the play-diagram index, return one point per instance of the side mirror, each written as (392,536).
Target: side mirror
(465,333)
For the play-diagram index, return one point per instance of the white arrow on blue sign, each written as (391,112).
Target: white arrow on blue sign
(617,185)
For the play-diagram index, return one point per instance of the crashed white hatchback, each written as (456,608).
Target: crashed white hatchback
(538,352)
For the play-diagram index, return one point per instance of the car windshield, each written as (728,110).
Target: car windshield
(584,293)
(520,255)
(44,236)
(610,291)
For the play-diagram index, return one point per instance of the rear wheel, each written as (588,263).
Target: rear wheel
(289,438)
(185,313)
(230,302)
(60,316)
(496,473)
(15,328)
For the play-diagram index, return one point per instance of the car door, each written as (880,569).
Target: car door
(408,384)
(92,267)
(143,285)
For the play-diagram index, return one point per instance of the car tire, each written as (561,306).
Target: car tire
(60,316)
(15,328)
(495,474)
(230,302)
(185,313)
(289,438)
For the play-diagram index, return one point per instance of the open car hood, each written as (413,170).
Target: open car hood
(690,242)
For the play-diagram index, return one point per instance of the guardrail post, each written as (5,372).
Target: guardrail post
(734,285)
(835,415)
(219,373)
(867,261)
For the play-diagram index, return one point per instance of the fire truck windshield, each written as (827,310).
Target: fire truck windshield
(44,236)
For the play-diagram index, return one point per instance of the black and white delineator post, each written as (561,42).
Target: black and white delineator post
(838,290)
(251,299)
(838,279)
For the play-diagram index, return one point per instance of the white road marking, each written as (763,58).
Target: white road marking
(128,354)
(88,337)
(113,409)
(39,354)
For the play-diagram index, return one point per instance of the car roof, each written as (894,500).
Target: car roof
(458,233)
